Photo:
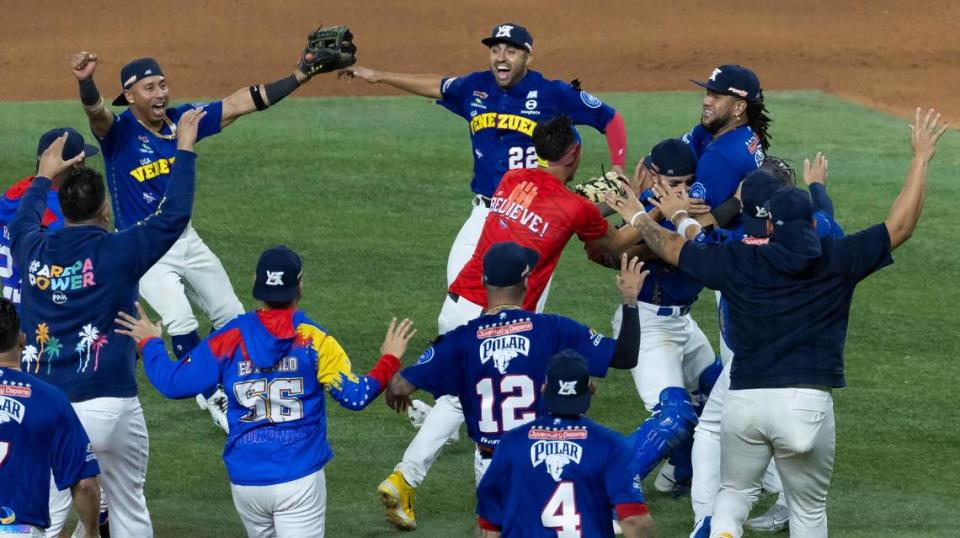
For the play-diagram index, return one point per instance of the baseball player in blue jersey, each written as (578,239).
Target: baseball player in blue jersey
(276,364)
(495,362)
(788,304)
(75,280)
(503,105)
(39,431)
(139,147)
(562,474)
(52,218)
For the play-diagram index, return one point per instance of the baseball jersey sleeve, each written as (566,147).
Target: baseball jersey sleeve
(438,369)
(702,262)
(624,491)
(110,142)
(25,230)
(595,347)
(210,124)
(452,92)
(584,108)
(71,455)
(191,375)
(335,371)
(589,224)
(866,251)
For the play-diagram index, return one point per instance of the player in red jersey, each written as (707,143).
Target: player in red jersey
(535,209)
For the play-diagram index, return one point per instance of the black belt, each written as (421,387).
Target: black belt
(484,201)
(486,452)
(453,296)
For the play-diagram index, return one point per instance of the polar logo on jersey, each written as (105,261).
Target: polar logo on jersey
(11,409)
(504,31)
(713,76)
(504,349)
(556,454)
(590,100)
(427,356)
(698,190)
(274,278)
(446,84)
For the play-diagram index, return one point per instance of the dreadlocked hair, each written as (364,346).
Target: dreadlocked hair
(759,122)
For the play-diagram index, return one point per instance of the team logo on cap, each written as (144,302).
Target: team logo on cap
(504,31)
(274,278)
(762,212)
(567,388)
(556,454)
(713,76)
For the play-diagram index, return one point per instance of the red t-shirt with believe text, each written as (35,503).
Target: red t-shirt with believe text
(535,209)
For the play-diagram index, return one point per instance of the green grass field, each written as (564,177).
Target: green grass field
(372,191)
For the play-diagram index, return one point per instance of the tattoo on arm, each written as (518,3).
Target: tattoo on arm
(664,243)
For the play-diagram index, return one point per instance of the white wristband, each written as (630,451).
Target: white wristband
(684,224)
(633,219)
(677,212)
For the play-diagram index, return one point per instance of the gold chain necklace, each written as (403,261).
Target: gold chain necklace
(502,307)
(170,124)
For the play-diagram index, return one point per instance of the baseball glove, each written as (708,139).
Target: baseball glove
(328,49)
(595,188)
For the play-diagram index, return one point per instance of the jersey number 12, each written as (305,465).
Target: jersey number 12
(516,393)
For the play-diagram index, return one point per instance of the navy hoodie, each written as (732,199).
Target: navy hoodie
(76,279)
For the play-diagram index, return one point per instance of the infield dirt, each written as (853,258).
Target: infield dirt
(893,55)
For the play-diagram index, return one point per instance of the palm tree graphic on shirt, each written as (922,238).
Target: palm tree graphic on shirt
(54,347)
(88,337)
(43,336)
(98,343)
(29,356)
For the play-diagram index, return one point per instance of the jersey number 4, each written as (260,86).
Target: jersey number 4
(276,401)
(521,157)
(560,513)
(516,396)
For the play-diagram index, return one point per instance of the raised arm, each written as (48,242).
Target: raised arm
(664,243)
(259,97)
(83,65)
(905,211)
(423,85)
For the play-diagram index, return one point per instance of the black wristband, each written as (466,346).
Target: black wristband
(727,211)
(628,341)
(89,94)
(257,98)
(281,88)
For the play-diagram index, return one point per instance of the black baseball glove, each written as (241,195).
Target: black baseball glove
(328,49)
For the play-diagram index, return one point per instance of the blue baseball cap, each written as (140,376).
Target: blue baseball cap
(756,190)
(671,157)
(791,212)
(278,275)
(735,80)
(134,71)
(567,390)
(71,148)
(512,34)
(507,264)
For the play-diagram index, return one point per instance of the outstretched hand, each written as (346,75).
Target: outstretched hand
(139,328)
(188,127)
(397,338)
(925,133)
(630,279)
(362,73)
(816,171)
(51,160)
(83,64)
(671,200)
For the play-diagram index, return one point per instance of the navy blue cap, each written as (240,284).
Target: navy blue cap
(138,69)
(512,34)
(278,275)
(71,148)
(567,390)
(791,212)
(756,190)
(671,157)
(734,80)
(507,264)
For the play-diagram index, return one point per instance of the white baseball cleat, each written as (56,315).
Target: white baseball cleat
(775,519)
(216,404)
(417,413)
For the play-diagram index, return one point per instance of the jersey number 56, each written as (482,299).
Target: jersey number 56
(276,401)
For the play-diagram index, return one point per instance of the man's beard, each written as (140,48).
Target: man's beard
(716,124)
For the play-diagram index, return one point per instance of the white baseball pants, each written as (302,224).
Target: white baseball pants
(118,435)
(189,270)
(294,509)
(673,352)
(706,453)
(480,465)
(467,239)
(796,427)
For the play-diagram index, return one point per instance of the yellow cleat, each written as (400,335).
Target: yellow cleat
(397,498)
